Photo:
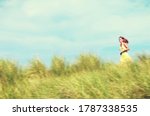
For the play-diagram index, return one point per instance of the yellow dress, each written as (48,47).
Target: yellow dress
(124,58)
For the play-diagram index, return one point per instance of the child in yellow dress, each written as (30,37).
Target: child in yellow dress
(124,56)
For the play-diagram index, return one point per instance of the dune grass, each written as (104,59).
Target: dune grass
(88,77)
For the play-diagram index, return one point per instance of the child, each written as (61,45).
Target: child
(124,50)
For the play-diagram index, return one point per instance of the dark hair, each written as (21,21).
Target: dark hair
(124,39)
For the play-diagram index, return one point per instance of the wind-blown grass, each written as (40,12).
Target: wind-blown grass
(88,77)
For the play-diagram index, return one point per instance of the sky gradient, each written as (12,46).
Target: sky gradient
(47,28)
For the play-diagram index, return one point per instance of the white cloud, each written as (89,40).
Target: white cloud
(86,16)
(55,7)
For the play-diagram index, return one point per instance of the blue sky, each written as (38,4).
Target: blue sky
(47,28)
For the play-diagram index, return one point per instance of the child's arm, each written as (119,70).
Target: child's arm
(126,46)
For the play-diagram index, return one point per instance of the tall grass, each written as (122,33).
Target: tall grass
(88,77)
(58,66)
(36,69)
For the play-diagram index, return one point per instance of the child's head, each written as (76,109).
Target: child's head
(122,39)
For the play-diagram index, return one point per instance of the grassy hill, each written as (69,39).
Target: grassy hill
(88,77)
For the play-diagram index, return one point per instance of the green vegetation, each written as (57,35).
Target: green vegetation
(88,77)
